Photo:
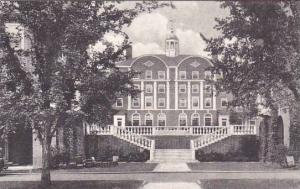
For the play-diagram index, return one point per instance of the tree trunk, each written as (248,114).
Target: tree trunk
(46,156)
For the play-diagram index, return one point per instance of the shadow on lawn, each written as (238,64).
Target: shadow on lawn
(133,184)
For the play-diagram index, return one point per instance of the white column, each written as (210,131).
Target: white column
(189,95)
(214,98)
(129,102)
(36,152)
(176,88)
(201,95)
(155,94)
(142,95)
(176,95)
(168,95)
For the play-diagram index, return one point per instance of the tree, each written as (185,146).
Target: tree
(58,76)
(258,54)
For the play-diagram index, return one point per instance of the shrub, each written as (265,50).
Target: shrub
(250,148)
(279,154)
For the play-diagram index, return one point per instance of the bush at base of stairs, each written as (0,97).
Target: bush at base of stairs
(248,151)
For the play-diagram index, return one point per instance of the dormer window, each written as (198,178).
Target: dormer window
(207,75)
(148,74)
(161,74)
(182,74)
(195,74)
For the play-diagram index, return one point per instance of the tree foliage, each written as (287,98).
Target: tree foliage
(258,52)
(41,83)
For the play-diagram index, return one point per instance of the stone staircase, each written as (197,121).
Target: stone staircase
(173,155)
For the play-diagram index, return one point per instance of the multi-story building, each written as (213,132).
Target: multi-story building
(175,90)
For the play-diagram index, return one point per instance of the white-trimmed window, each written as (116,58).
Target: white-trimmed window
(149,102)
(207,102)
(119,102)
(207,74)
(149,88)
(135,102)
(208,89)
(182,102)
(182,88)
(182,119)
(161,119)
(161,88)
(208,120)
(136,119)
(161,74)
(137,86)
(195,102)
(195,74)
(224,102)
(195,88)
(161,102)
(195,118)
(224,121)
(182,74)
(148,119)
(148,74)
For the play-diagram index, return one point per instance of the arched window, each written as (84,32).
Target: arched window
(182,119)
(208,120)
(161,119)
(195,119)
(136,119)
(148,119)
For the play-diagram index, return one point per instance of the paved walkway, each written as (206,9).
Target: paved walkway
(172,167)
(172,185)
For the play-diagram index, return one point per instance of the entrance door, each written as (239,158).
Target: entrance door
(119,120)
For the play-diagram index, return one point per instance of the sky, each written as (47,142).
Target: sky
(148,31)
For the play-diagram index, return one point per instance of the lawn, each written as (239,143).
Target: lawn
(74,185)
(249,184)
(122,167)
(232,166)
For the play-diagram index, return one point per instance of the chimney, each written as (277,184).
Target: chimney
(128,52)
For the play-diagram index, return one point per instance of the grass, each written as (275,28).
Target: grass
(231,166)
(122,167)
(74,185)
(250,184)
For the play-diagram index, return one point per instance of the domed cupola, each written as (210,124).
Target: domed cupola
(172,42)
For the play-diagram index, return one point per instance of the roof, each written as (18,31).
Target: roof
(170,61)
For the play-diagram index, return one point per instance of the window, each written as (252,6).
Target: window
(148,119)
(137,87)
(195,119)
(148,74)
(195,102)
(135,102)
(224,102)
(148,102)
(207,74)
(224,121)
(161,119)
(208,88)
(161,88)
(182,119)
(136,76)
(195,75)
(119,102)
(182,74)
(252,122)
(182,102)
(195,88)
(208,102)
(149,88)
(208,120)
(161,102)
(136,119)
(161,74)
(182,88)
